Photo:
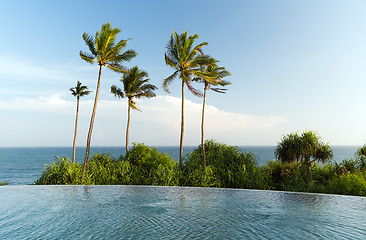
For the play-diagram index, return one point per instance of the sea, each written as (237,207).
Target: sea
(24,165)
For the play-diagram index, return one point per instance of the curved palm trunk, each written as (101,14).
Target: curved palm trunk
(202,126)
(181,129)
(76,128)
(128,124)
(92,123)
(308,169)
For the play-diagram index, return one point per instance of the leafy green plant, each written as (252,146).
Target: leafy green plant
(61,171)
(141,165)
(226,166)
(3,183)
(349,165)
(306,148)
(349,184)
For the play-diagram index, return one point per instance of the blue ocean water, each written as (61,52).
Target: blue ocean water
(147,212)
(24,165)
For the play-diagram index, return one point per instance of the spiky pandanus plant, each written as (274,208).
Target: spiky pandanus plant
(105,51)
(77,91)
(306,148)
(212,78)
(186,59)
(135,85)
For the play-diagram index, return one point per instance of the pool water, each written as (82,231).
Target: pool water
(146,212)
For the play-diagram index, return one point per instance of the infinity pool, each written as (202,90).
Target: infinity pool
(142,212)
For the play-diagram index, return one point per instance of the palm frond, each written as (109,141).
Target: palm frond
(171,62)
(120,45)
(172,52)
(146,90)
(167,81)
(117,92)
(196,49)
(117,68)
(193,90)
(124,57)
(87,57)
(73,92)
(134,105)
(204,60)
(89,40)
(218,90)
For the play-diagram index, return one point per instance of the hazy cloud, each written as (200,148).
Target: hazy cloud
(157,124)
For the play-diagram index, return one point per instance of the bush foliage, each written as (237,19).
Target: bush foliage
(140,166)
(227,167)
(3,183)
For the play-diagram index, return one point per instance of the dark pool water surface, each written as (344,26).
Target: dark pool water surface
(143,212)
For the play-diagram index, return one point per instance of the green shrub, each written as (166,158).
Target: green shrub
(226,166)
(61,171)
(349,165)
(361,162)
(3,183)
(348,184)
(149,167)
(322,173)
(140,166)
(287,176)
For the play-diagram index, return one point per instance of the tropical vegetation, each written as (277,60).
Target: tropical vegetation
(135,85)
(303,159)
(140,166)
(3,183)
(105,51)
(77,91)
(187,60)
(227,167)
(305,148)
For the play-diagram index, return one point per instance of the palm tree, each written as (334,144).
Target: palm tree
(211,76)
(134,86)
(186,60)
(105,52)
(306,147)
(77,91)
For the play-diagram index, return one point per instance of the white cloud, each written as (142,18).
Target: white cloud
(157,124)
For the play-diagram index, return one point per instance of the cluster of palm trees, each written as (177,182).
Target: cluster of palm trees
(189,62)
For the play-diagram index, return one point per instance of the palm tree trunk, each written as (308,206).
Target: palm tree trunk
(202,126)
(76,128)
(91,123)
(181,130)
(128,123)
(308,169)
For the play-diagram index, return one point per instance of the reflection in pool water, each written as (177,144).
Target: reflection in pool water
(143,212)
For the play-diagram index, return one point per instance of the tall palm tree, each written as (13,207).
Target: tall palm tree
(211,75)
(134,86)
(182,56)
(105,51)
(77,91)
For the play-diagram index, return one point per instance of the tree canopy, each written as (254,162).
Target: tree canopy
(296,147)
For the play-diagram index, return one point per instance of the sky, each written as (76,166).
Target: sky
(295,66)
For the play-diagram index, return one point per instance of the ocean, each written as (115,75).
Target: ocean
(23,165)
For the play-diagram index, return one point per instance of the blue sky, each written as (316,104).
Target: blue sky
(295,65)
